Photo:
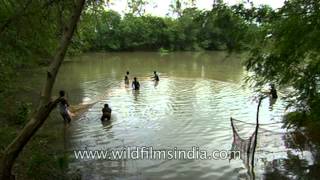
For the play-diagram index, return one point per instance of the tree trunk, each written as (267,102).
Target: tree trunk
(46,104)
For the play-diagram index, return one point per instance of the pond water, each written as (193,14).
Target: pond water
(190,107)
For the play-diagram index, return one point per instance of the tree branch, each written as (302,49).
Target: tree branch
(46,105)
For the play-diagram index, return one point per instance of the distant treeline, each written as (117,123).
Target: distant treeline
(283,48)
(282,43)
(221,28)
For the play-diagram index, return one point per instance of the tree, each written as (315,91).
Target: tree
(176,8)
(189,28)
(288,55)
(99,30)
(46,103)
(221,28)
(137,7)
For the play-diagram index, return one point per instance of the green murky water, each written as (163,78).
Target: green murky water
(190,107)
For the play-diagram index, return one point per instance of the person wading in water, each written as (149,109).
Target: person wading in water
(273,92)
(135,84)
(126,78)
(106,112)
(155,76)
(63,108)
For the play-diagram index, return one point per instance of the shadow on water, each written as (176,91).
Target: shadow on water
(302,161)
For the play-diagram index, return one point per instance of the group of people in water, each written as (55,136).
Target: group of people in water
(135,83)
(106,110)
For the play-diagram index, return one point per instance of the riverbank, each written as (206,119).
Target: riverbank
(43,157)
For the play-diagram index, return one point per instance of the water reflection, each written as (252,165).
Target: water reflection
(302,161)
(135,94)
(107,125)
(189,107)
(272,101)
(156,83)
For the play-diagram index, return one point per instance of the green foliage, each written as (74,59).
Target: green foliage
(37,161)
(7,133)
(218,29)
(62,161)
(288,55)
(41,163)
(29,30)
(163,51)
(294,119)
(98,30)
(29,33)
(42,158)
(137,6)
(22,113)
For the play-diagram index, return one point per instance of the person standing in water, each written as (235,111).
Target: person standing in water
(135,84)
(126,78)
(155,77)
(63,107)
(273,92)
(106,112)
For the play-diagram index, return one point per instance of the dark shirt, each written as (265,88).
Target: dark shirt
(106,113)
(63,108)
(273,93)
(106,110)
(136,85)
(64,102)
(63,105)
(156,77)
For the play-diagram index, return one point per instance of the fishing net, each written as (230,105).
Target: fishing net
(245,144)
(256,143)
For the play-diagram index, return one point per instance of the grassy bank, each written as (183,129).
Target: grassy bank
(43,157)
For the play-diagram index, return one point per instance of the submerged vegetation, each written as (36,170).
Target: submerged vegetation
(283,46)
